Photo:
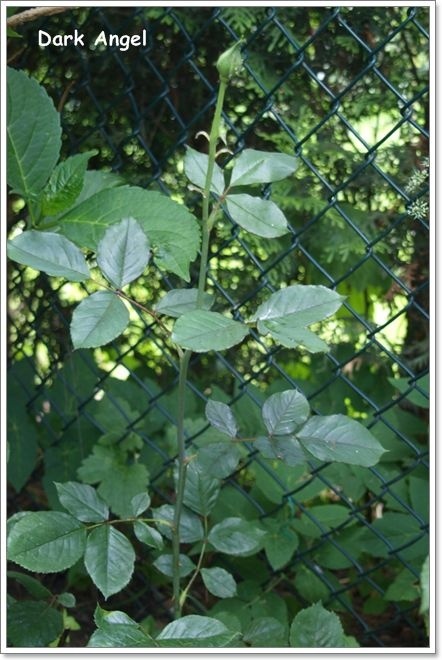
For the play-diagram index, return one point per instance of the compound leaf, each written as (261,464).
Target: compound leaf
(203,331)
(109,559)
(46,541)
(49,252)
(172,230)
(258,216)
(98,319)
(123,252)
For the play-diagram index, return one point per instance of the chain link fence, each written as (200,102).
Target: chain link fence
(346,90)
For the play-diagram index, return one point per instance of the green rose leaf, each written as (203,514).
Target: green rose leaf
(237,537)
(258,216)
(123,252)
(219,459)
(280,544)
(65,183)
(171,229)
(49,252)
(203,331)
(164,564)
(179,301)
(222,418)
(82,501)
(98,319)
(341,439)
(22,445)
(305,302)
(201,489)
(140,503)
(46,541)
(283,412)
(195,630)
(191,528)
(109,559)
(287,312)
(119,481)
(265,631)
(285,448)
(33,134)
(195,168)
(66,599)
(315,627)
(287,334)
(148,535)
(32,586)
(117,630)
(219,582)
(253,166)
(33,624)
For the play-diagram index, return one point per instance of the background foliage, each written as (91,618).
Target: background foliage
(347,91)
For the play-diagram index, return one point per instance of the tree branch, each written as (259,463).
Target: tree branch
(32,14)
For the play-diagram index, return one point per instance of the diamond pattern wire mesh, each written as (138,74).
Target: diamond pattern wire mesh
(346,90)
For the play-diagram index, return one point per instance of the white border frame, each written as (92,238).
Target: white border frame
(234,652)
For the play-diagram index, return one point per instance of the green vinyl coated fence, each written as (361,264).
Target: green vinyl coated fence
(345,89)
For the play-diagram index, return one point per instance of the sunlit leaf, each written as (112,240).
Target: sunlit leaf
(258,216)
(340,438)
(195,168)
(65,183)
(98,319)
(179,301)
(49,252)
(253,166)
(123,252)
(203,331)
